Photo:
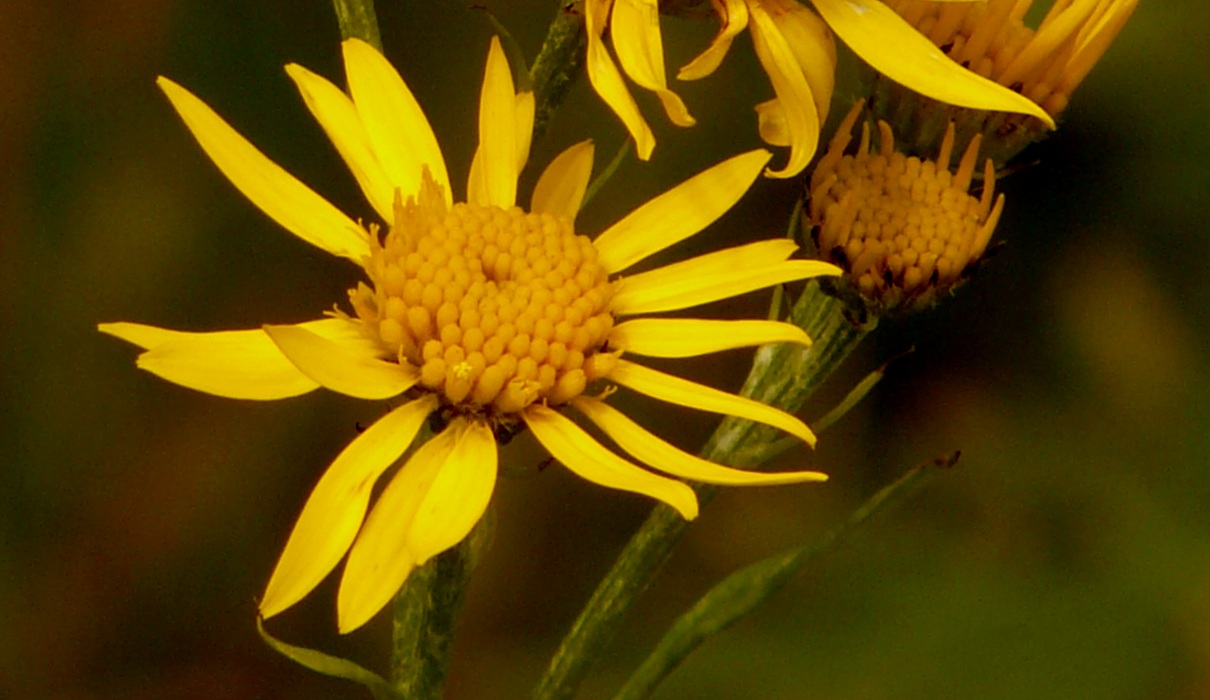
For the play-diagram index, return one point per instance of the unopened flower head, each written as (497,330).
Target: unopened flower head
(904,229)
(991,38)
(479,318)
(795,47)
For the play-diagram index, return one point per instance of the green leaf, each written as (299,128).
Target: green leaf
(330,665)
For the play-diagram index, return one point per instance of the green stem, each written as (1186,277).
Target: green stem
(782,375)
(559,63)
(358,21)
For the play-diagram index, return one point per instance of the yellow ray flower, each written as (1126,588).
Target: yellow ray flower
(483,317)
(796,49)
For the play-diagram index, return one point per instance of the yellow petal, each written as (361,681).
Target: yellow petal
(335,112)
(560,189)
(651,450)
(608,83)
(706,278)
(635,30)
(892,47)
(680,212)
(498,148)
(580,453)
(813,47)
(236,364)
(733,19)
(689,337)
(683,392)
(459,494)
(380,560)
(403,140)
(525,126)
(347,369)
(276,192)
(772,124)
(337,505)
(793,91)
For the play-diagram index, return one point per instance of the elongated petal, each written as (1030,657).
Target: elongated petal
(497,157)
(814,48)
(635,29)
(608,82)
(680,212)
(651,450)
(892,47)
(525,126)
(403,139)
(336,113)
(337,505)
(733,19)
(706,278)
(560,189)
(458,496)
(582,454)
(273,190)
(688,337)
(793,91)
(243,364)
(380,560)
(683,392)
(341,367)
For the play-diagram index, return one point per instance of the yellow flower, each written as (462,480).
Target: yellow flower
(796,50)
(486,319)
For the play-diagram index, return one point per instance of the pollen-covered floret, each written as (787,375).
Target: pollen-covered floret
(496,308)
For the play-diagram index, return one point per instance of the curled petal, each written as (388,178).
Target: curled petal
(347,369)
(635,30)
(608,82)
(793,91)
(733,16)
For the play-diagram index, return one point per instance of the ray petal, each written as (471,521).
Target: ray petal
(403,139)
(683,392)
(498,147)
(689,337)
(680,212)
(634,27)
(336,113)
(380,561)
(734,19)
(892,47)
(458,496)
(653,451)
(349,370)
(560,189)
(337,505)
(274,191)
(794,93)
(608,82)
(243,364)
(582,454)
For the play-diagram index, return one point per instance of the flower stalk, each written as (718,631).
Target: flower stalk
(358,20)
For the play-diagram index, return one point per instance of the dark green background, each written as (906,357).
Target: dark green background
(1067,557)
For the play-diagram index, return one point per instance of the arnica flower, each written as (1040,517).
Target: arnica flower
(904,229)
(1045,64)
(478,318)
(796,49)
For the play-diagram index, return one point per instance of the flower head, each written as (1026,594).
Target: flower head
(904,229)
(483,317)
(796,49)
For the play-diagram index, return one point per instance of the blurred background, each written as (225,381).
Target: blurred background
(1068,555)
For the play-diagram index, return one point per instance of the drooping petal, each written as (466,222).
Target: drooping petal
(560,189)
(335,112)
(635,29)
(346,369)
(733,19)
(459,495)
(242,364)
(608,82)
(813,47)
(403,139)
(719,275)
(380,560)
(337,505)
(794,94)
(273,190)
(582,454)
(689,337)
(680,212)
(496,183)
(683,392)
(651,450)
(892,47)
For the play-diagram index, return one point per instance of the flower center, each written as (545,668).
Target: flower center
(901,227)
(497,308)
